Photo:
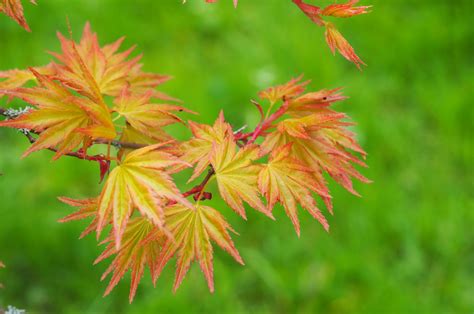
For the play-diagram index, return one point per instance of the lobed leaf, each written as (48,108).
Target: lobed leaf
(193,230)
(136,252)
(197,151)
(236,175)
(140,182)
(287,180)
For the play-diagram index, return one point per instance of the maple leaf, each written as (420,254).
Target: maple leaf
(322,148)
(236,175)
(136,252)
(144,116)
(198,149)
(345,10)
(289,90)
(334,38)
(311,11)
(314,102)
(289,181)
(110,71)
(193,230)
(87,209)
(140,182)
(62,119)
(335,41)
(14,9)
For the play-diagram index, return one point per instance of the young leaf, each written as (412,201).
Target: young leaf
(193,230)
(141,182)
(136,252)
(289,90)
(289,181)
(333,37)
(335,41)
(345,9)
(236,175)
(14,9)
(198,149)
(314,102)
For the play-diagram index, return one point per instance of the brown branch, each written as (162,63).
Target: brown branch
(119,144)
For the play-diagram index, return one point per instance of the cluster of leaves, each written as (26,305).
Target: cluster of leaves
(95,95)
(334,38)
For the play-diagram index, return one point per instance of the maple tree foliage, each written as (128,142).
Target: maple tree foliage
(98,96)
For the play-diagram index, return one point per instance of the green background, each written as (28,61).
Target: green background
(406,246)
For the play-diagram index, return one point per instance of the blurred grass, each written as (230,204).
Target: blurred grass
(407,246)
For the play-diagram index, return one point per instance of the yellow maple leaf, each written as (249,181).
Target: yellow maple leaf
(236,175)
(140,182)
(109,69)
(198,149)
(287,180)
(193,230)
(136,252)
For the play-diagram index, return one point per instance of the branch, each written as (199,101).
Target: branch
(13,113)
(119,144)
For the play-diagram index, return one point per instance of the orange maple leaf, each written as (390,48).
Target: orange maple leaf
(333,37)
(335,41)
(193,230)
(289,90)
(14,9)
(198,149)
(289,181)
(321,147)
(140,182)
(345,9)
(236,175)
(110,71)
(136,252)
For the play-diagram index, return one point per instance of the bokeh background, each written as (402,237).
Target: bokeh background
(406,246)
